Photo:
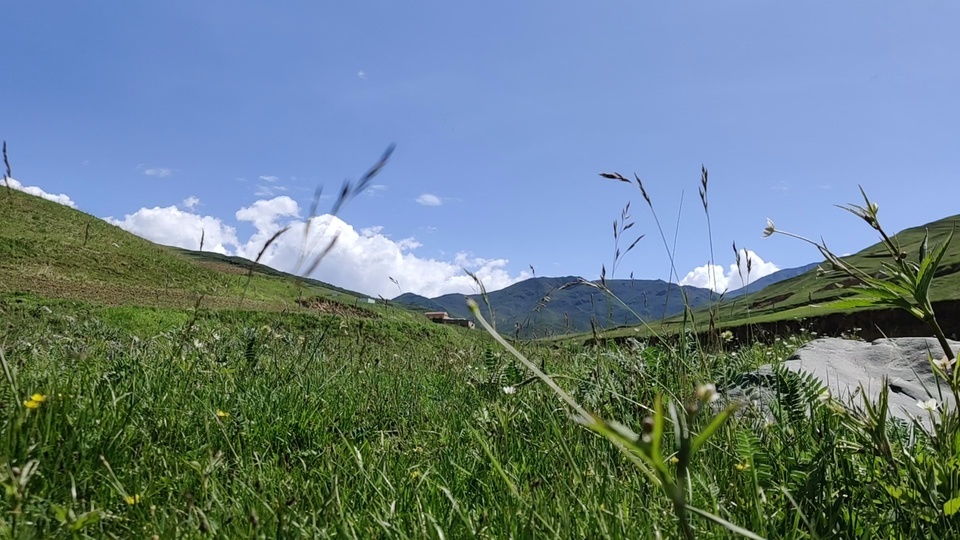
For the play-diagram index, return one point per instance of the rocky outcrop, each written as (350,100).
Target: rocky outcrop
(845,366)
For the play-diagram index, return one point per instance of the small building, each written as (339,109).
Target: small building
(442,317)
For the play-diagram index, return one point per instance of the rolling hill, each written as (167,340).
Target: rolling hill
(542,308)
(53,251)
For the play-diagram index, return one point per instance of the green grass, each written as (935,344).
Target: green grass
(126,418)
(243,424)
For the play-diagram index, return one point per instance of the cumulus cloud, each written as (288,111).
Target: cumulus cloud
(158,172)
(174,227)
(34,190)
(729,279)
(191,202)
(361,260)
(429,199)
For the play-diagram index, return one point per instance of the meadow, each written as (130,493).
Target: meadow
(254,416)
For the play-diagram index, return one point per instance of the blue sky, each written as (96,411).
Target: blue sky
(171,117)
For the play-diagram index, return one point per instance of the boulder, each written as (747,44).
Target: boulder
(843,366)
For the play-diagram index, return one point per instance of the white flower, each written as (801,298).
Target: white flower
(945,364)
(707,393)
(769,229)
(928,405)
(509,390)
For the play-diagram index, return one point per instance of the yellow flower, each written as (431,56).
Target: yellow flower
(39,398)
(222,414)
(132,499)
(31,404)
(674,460)
(742,466)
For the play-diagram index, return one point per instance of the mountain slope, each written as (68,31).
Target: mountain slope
(51,250)
(766,281)
(542,307)
(809,295)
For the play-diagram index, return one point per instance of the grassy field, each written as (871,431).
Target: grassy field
(243,424)
(126,418)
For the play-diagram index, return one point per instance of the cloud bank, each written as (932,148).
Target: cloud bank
(363,260)
(730,279)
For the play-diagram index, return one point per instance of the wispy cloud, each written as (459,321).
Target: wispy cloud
(269,178)
(158,172)
(376,190)
(429,199)
(362,74)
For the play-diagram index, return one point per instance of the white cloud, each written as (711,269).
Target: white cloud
(191,202)
(362,74)
(34,190)
(265,213)
(361,260)
(269,178)
(730,279)
(158,172)
(429,199)
(263,191)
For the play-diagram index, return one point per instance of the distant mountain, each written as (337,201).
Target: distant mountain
(542,307)
(776,277)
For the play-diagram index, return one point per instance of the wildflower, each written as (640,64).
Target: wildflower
(132,499)
(945,364)
(222,414)
(769,229)
(928,405)
(742,466)
(509,390)
(197,344)
(726,336)
(674,460)
(34,401)
(707,393)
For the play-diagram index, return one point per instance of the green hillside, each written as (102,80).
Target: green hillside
(53,251)
(810,294)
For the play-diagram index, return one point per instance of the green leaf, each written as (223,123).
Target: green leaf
(736,529)
(928,268)
(950,507)
(657,433)
(711,428)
